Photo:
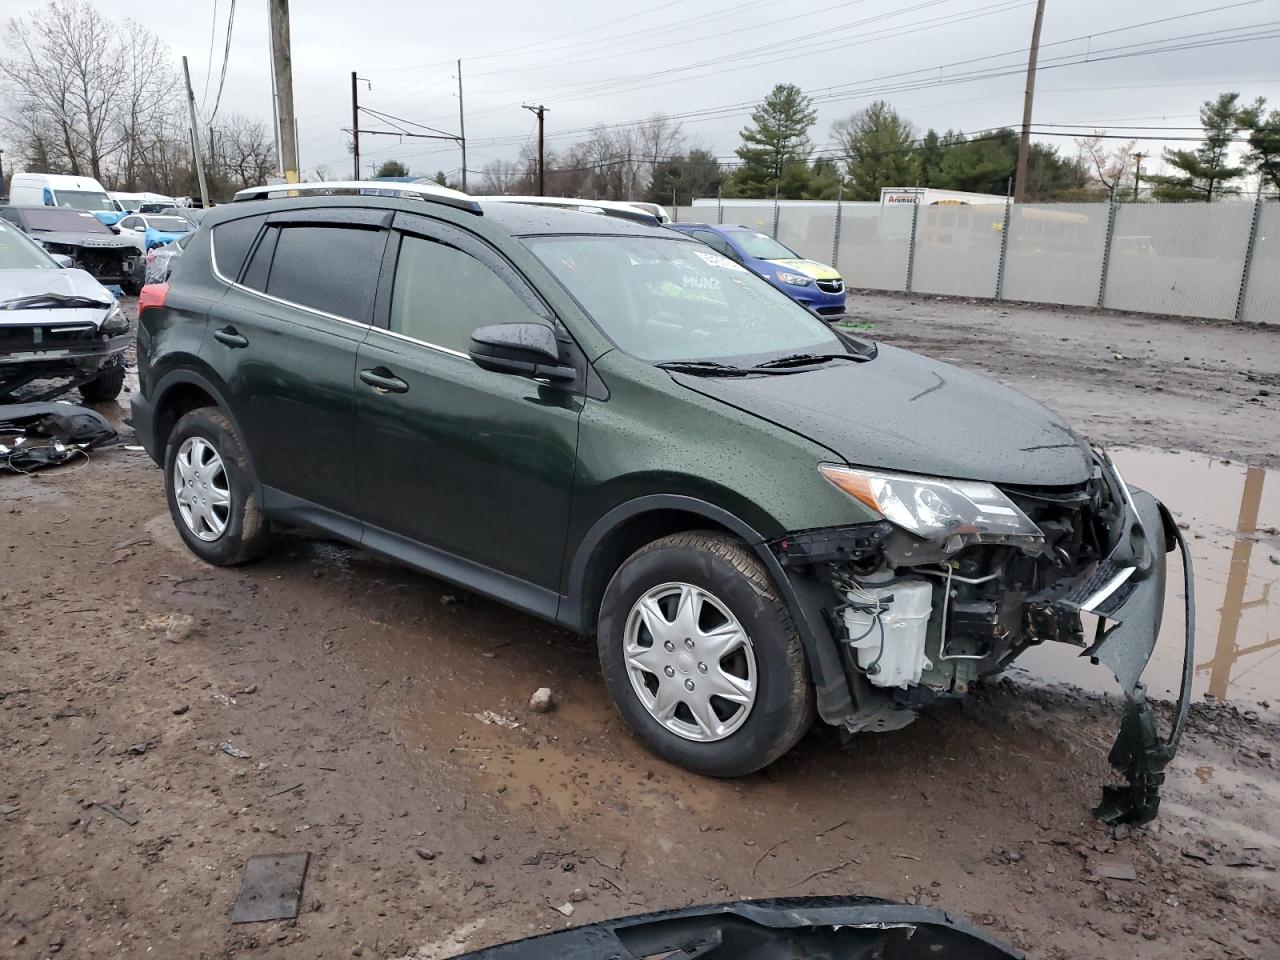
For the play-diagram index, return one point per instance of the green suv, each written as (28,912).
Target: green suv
(613,427)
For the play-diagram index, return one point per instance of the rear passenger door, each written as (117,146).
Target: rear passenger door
(284,340)
(473,463)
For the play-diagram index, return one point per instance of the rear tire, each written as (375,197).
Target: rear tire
(211,490)
(731,596)
(106,385)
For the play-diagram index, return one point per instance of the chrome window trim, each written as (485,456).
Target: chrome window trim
(213,263)
(422,343)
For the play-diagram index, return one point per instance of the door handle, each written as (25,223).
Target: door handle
(230,337)
(383,380)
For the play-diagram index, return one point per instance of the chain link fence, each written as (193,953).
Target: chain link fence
(1219,260)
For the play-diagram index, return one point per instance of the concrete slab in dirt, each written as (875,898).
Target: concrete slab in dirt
(272,888)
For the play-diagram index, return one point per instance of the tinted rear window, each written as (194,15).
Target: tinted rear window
(231,243)
(329,268)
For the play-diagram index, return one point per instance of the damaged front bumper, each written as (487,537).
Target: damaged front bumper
(70,363)
(898,623)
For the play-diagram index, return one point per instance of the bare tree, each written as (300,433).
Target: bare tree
(502,176)
(94,88)
(660,138)
(244,154)
(1110,168)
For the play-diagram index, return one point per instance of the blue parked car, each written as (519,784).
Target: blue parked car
(816,285)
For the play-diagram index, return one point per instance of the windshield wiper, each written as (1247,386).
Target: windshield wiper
(707,368)
(805,359)
(55,300)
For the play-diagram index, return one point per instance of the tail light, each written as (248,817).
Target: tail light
(152,295)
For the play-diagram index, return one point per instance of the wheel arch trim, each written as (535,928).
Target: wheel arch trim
(834,698)
(191,376)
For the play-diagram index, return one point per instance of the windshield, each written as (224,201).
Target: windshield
(762,246)
(663,300)
(19,253)
(169,224)
(85,200)
(52,219)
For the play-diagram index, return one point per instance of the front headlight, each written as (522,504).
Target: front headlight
(115,323)
(795,279)
(937,509)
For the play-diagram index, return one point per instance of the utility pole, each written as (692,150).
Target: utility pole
(462,129)
(1137,173)
(540,110)
(355,129)
(1024,144)
(282,61)
(195,138)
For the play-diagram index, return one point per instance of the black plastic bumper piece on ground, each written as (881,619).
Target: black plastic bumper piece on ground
(851,928)
(1138,752)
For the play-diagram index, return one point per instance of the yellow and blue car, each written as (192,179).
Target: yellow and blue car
(815,285)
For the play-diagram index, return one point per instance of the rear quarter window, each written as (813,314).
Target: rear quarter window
(231,243)
(328,268)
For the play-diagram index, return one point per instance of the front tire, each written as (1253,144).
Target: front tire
(701,657)
(211,490)
(106,385)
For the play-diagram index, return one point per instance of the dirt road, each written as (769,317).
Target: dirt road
(385,718)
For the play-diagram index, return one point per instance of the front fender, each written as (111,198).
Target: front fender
(831,684)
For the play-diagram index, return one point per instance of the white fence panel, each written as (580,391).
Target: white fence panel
(1262,295)
(809,231)
(875,244)
(1055,252)
(758,216)
(1178,258)
(958,249)
(692,214)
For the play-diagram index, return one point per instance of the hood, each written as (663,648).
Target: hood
(72,283)
(88,241)
(902,411)
(808,268)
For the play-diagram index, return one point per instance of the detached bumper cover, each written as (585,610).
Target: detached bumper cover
(853,928)
(1127,592)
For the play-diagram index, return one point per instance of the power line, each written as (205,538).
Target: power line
(226,56)
(208,70)
(843,91)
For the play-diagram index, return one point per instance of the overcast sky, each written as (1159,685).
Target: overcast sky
(591,62)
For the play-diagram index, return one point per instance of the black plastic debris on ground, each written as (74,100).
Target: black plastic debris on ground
(852,928)
(38,435)
(271,888)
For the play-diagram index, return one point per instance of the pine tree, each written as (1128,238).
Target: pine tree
(1206,172)
(930,158)
(775,145)
(1263,157)
(880,149)
(695,174)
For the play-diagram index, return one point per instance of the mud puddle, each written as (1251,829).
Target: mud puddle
(1230,514)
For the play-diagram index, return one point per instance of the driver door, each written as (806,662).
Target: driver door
(475,465)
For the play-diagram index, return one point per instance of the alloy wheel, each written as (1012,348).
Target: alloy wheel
(690,662)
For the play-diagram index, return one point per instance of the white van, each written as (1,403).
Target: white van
(60,190)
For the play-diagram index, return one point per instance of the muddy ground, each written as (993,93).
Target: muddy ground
(385,717)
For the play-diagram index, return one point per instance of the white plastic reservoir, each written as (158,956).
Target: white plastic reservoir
(890,641)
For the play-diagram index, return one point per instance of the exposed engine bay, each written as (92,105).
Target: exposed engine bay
(918,619)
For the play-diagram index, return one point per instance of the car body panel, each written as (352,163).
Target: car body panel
(903,411)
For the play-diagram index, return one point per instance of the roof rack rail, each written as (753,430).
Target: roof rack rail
(364,188)
(608,208)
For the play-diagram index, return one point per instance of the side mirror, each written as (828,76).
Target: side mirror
(525,349)
(62,260)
